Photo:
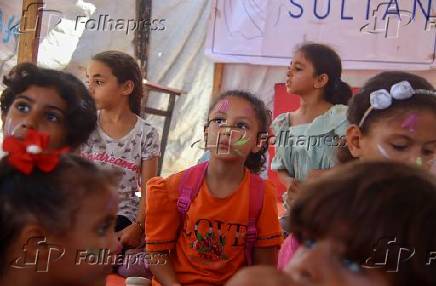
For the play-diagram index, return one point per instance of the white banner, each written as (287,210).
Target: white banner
(368,34)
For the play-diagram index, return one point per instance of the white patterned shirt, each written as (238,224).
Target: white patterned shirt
(127,154)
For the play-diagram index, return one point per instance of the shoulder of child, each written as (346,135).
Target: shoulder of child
(331,120)
(145,125)
(269,190)
(168,185)
(280,122)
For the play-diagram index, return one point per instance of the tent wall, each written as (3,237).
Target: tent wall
(176,59)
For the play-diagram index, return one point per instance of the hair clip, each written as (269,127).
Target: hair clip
(25,155)
(382,99)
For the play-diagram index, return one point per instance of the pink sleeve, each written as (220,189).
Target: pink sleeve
(287,251)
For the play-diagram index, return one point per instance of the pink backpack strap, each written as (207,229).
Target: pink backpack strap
(255,207)
(188,188)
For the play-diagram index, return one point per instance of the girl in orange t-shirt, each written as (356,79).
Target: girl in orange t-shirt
(207,246)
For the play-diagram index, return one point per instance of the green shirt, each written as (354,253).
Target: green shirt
(308,146)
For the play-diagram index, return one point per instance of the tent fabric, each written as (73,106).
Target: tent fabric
(176,59)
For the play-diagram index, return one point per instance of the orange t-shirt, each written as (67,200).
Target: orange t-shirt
(211,246)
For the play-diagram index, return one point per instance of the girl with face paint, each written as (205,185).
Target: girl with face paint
(213,236)
(393,118)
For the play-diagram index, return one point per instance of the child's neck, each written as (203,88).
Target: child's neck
(120,113)
(224,177)
(311,106)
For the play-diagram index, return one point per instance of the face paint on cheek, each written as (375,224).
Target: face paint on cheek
(410,122)
(9,128)
(383,152)
(241,142)
(223,106)
(419,161)
(238,152)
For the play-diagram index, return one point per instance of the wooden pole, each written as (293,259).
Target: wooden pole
(30,27)
(142,41)
(217,79)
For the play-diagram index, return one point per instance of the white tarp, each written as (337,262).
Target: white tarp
(176,59)
(368,34)
(10,14)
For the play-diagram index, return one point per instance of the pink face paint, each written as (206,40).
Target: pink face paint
(383,152)
(223,106)
(410,122)
(247,111)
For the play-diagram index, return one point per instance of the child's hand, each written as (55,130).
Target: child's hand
(131,236)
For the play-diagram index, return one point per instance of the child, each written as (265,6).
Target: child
(209,236)
(403,131)
(49,101)
(393,118)
(372,224)
(306,139)
(57,216)
(122,139)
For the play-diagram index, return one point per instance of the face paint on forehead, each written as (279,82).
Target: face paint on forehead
(410,122)
(247,111)
(223,105)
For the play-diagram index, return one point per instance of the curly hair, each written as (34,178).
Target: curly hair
(81,113)
(255,161)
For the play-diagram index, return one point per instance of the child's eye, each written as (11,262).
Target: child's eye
(242,125)
(352,265)
(219,121)
(99,82)
(22,107)
(309,243)
(427,152)
(53,117)
(399,148)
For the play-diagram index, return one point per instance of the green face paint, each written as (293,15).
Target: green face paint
(241,142)
(419,161)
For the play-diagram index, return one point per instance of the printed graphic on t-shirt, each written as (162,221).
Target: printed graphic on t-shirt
(125,154)
(213,240)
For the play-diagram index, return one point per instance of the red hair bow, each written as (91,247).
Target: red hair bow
(31,152)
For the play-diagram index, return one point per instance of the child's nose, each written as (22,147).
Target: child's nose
(30,122)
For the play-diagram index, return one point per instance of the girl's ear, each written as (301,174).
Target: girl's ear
(33,246)
(321,81)
(127,87)
(354,140)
